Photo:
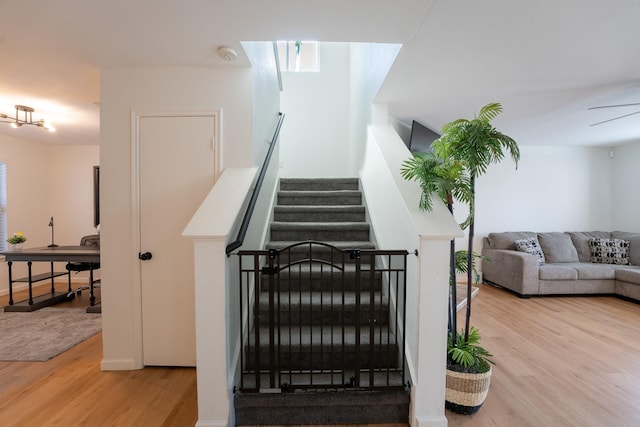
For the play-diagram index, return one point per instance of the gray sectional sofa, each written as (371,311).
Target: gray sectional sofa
(593,262)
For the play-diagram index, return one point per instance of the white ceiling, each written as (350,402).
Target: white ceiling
(545,61)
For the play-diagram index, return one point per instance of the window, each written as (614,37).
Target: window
(297,56)
(3,206)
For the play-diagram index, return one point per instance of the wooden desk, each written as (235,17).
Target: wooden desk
(52,255)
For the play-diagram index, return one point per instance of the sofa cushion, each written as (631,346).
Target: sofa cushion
(557,272)
(609,251)
(580,240)
(587,271)
(506,239)
(634,244)
(531,246)
(557,247)
(628,275)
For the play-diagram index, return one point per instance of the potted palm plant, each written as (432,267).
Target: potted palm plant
(470,145)
(477,144)
(468,372)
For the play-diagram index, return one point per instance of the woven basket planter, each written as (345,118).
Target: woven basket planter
(466,392)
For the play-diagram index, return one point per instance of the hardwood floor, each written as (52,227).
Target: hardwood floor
(70,390)
(560,361)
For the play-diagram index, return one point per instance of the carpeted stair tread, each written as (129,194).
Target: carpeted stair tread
(329,377)
(325,347)
(326,184)
(347,407)
(325,308)
(318,301)
(324,335)
(305,213)
(321,198)
(342,226)
(319,231)
(326,398)
(362,245)
(323,277)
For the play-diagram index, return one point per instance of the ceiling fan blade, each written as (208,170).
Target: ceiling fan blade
(614,106)
(615,118)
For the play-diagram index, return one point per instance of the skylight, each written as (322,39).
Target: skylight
(298,56)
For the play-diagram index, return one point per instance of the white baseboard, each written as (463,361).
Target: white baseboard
(118,365)
(439,421)
(211,423)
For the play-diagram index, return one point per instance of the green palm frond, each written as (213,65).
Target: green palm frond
(477,143)
(468,352)
(442,178)
(490,111)
(462,261)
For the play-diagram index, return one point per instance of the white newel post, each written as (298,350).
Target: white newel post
(211,333)
(428,393)
(209,229)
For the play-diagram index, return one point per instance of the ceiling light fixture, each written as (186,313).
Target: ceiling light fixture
(27,119)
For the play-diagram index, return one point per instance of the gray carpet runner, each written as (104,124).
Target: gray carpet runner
(312,329)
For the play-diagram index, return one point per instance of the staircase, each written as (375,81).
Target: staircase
(333,368)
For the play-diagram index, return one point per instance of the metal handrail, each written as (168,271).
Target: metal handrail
(242,231)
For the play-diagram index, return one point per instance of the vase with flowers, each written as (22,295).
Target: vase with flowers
(16,241)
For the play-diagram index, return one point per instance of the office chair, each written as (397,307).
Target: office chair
(91,240)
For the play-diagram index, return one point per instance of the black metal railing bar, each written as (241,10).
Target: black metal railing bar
(246,219)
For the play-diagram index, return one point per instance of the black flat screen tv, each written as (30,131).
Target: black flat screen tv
(421,138)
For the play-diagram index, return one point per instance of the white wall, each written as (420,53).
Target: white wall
(624,188)
(553,189)
(266,96)
(153,90)
(71,190)
(393,207)
(317,124)
(44,181)
(370,64)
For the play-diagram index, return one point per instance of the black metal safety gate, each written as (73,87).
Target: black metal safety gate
(316,317)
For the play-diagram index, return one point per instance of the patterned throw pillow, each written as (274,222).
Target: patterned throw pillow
(609,251)
(531,246)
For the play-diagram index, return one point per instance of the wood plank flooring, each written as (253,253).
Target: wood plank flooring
(561,361)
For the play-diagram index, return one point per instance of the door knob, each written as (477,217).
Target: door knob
(145,256)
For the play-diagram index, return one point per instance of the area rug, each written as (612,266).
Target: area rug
(40,335)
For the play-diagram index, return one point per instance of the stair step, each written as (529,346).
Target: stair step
(319,231)
(321,198)
(325,308)
(311,408)
(323,277)
(325,347)
(333,377)
(293,213)
(319,184)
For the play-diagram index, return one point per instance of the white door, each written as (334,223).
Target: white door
(176,172)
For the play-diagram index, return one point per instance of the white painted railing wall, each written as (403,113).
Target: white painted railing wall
(392,204)
(211,229)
